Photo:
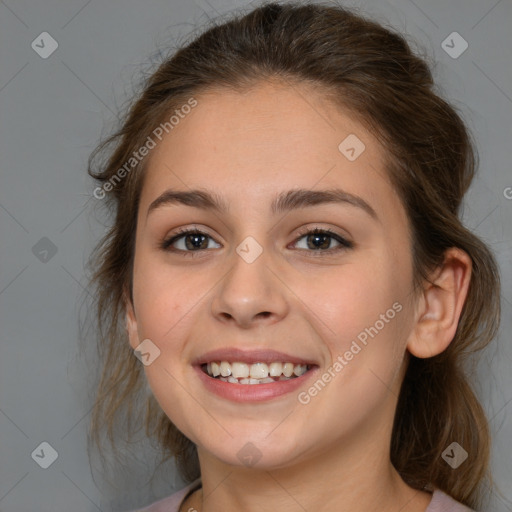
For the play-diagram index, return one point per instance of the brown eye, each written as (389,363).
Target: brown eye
(321,240)
(188,240)
(195,241)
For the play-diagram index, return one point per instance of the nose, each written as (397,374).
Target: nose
(250,294)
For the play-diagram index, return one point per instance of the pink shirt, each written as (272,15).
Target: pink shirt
(440,502)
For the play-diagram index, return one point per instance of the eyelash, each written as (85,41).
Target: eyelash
(166,245)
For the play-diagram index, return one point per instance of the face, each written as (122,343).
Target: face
(322,282)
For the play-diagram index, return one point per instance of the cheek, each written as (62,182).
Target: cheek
(362,318)
(165,300)
(350,299)
(164,296)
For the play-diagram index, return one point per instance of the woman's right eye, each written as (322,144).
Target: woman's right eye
(187,241)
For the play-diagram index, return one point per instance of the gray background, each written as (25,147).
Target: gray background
(54,111)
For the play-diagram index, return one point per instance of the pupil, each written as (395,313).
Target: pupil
(195,237)
(316,238)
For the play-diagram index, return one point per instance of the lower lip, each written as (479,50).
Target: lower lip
(252,392)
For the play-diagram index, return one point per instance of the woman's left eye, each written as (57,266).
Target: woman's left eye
(317,239)
(193,241)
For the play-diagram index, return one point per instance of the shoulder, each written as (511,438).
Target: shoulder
(442,502)
(171,503)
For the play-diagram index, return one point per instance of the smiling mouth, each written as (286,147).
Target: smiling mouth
(255,373)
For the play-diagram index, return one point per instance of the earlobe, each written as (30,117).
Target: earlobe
(441,305)
(131,324)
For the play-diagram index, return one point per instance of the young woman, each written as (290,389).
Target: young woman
(288,273)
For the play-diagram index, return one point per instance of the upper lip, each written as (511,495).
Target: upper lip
(250,356)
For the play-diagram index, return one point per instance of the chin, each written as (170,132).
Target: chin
(264,454)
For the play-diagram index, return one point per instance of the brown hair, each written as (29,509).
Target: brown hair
(371,71)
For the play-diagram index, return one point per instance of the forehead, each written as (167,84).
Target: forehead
(272,137)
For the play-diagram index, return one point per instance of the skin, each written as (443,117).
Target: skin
(331,454)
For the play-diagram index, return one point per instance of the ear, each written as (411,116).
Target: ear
(131,323)
(440,305)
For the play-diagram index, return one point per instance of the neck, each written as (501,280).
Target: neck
(355,477)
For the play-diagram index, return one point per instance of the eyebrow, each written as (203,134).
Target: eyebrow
(284,202)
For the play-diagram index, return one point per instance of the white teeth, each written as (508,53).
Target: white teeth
(275,369)
(249,381)
(259,371)
(288,369)
(215,369)
(256,373)
(225,369)
(240,370)
(300,369)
